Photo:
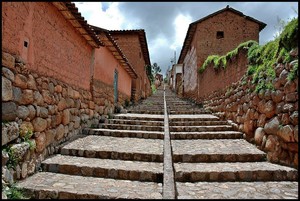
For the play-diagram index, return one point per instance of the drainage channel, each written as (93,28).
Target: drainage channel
(169,189)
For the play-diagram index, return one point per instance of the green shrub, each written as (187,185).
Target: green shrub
(289,36)
(293,73)
(221,61)
(12,192)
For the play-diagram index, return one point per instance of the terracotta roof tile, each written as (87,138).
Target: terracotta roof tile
(71,14)
(113,46)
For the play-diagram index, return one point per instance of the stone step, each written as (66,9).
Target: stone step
(154,107)
(197,123)
(146,111)
(200,128)
(246,171)
(143,117)
(107,147)
(136,122)
(207,135)
(189,112)
(237,190)
(216,150)
(131,127)
(196,117)
(61,186)
(105,168)
(124,133)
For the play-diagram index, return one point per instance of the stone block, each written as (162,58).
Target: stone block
(8,74)
(21,81)
(39,124)
(7,90)
(60,130)
(26,97)
(272,126)
(40,142)
(258,136)
(22,112)
(8,60)
(66,117)
(9,111)
(19,150)
(286,133)
(10,132)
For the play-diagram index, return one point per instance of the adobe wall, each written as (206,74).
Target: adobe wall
(269,119)
(236,30)
(190,74)
(130,44)
(55,88)
(214,79)
(104,70)
(54,48)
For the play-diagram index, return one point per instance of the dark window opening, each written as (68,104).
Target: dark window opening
(220,34)
(25,44)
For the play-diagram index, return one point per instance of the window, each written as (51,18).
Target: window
(25,44)
(220,34)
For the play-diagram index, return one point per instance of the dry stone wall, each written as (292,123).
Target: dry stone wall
(39,113)
(269,118)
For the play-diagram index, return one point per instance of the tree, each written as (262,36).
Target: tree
(152,70)
(155,69)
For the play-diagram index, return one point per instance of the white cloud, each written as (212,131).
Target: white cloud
(94,13)
(181,24)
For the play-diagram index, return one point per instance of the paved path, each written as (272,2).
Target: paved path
(127,157)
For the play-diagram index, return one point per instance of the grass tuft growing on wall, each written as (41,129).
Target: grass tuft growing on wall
(221,61)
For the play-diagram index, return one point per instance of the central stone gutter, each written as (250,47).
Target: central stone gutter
(169,182)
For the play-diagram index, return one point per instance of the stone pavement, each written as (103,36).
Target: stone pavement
(213,161)
(124,158)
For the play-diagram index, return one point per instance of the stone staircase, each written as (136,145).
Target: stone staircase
(213,161)
(124,158)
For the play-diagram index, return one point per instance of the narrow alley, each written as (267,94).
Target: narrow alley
(127,157)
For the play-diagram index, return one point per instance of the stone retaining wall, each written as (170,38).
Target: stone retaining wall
(53,110)
(269,119)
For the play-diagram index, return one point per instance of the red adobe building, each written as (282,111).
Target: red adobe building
(215,34)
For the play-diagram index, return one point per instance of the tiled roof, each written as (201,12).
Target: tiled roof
(192,28)
(113,46)
(71,14)
(142,37)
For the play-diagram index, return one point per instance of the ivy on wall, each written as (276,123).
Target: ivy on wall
(263,58)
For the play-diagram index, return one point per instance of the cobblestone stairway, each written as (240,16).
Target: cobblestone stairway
(212,161)
(124,158)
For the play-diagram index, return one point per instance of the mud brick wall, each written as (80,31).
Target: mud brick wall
(54,49)
(269,119)
(214,79)
(236,29)
(130,44)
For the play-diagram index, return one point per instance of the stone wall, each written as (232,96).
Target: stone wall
(269,118)
(53,110)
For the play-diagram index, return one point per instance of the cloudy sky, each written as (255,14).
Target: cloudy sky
(166,23)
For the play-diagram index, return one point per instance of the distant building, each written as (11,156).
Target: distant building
(134,45)
(158,79)
(215,34)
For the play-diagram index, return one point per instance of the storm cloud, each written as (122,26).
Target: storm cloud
(166,23)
